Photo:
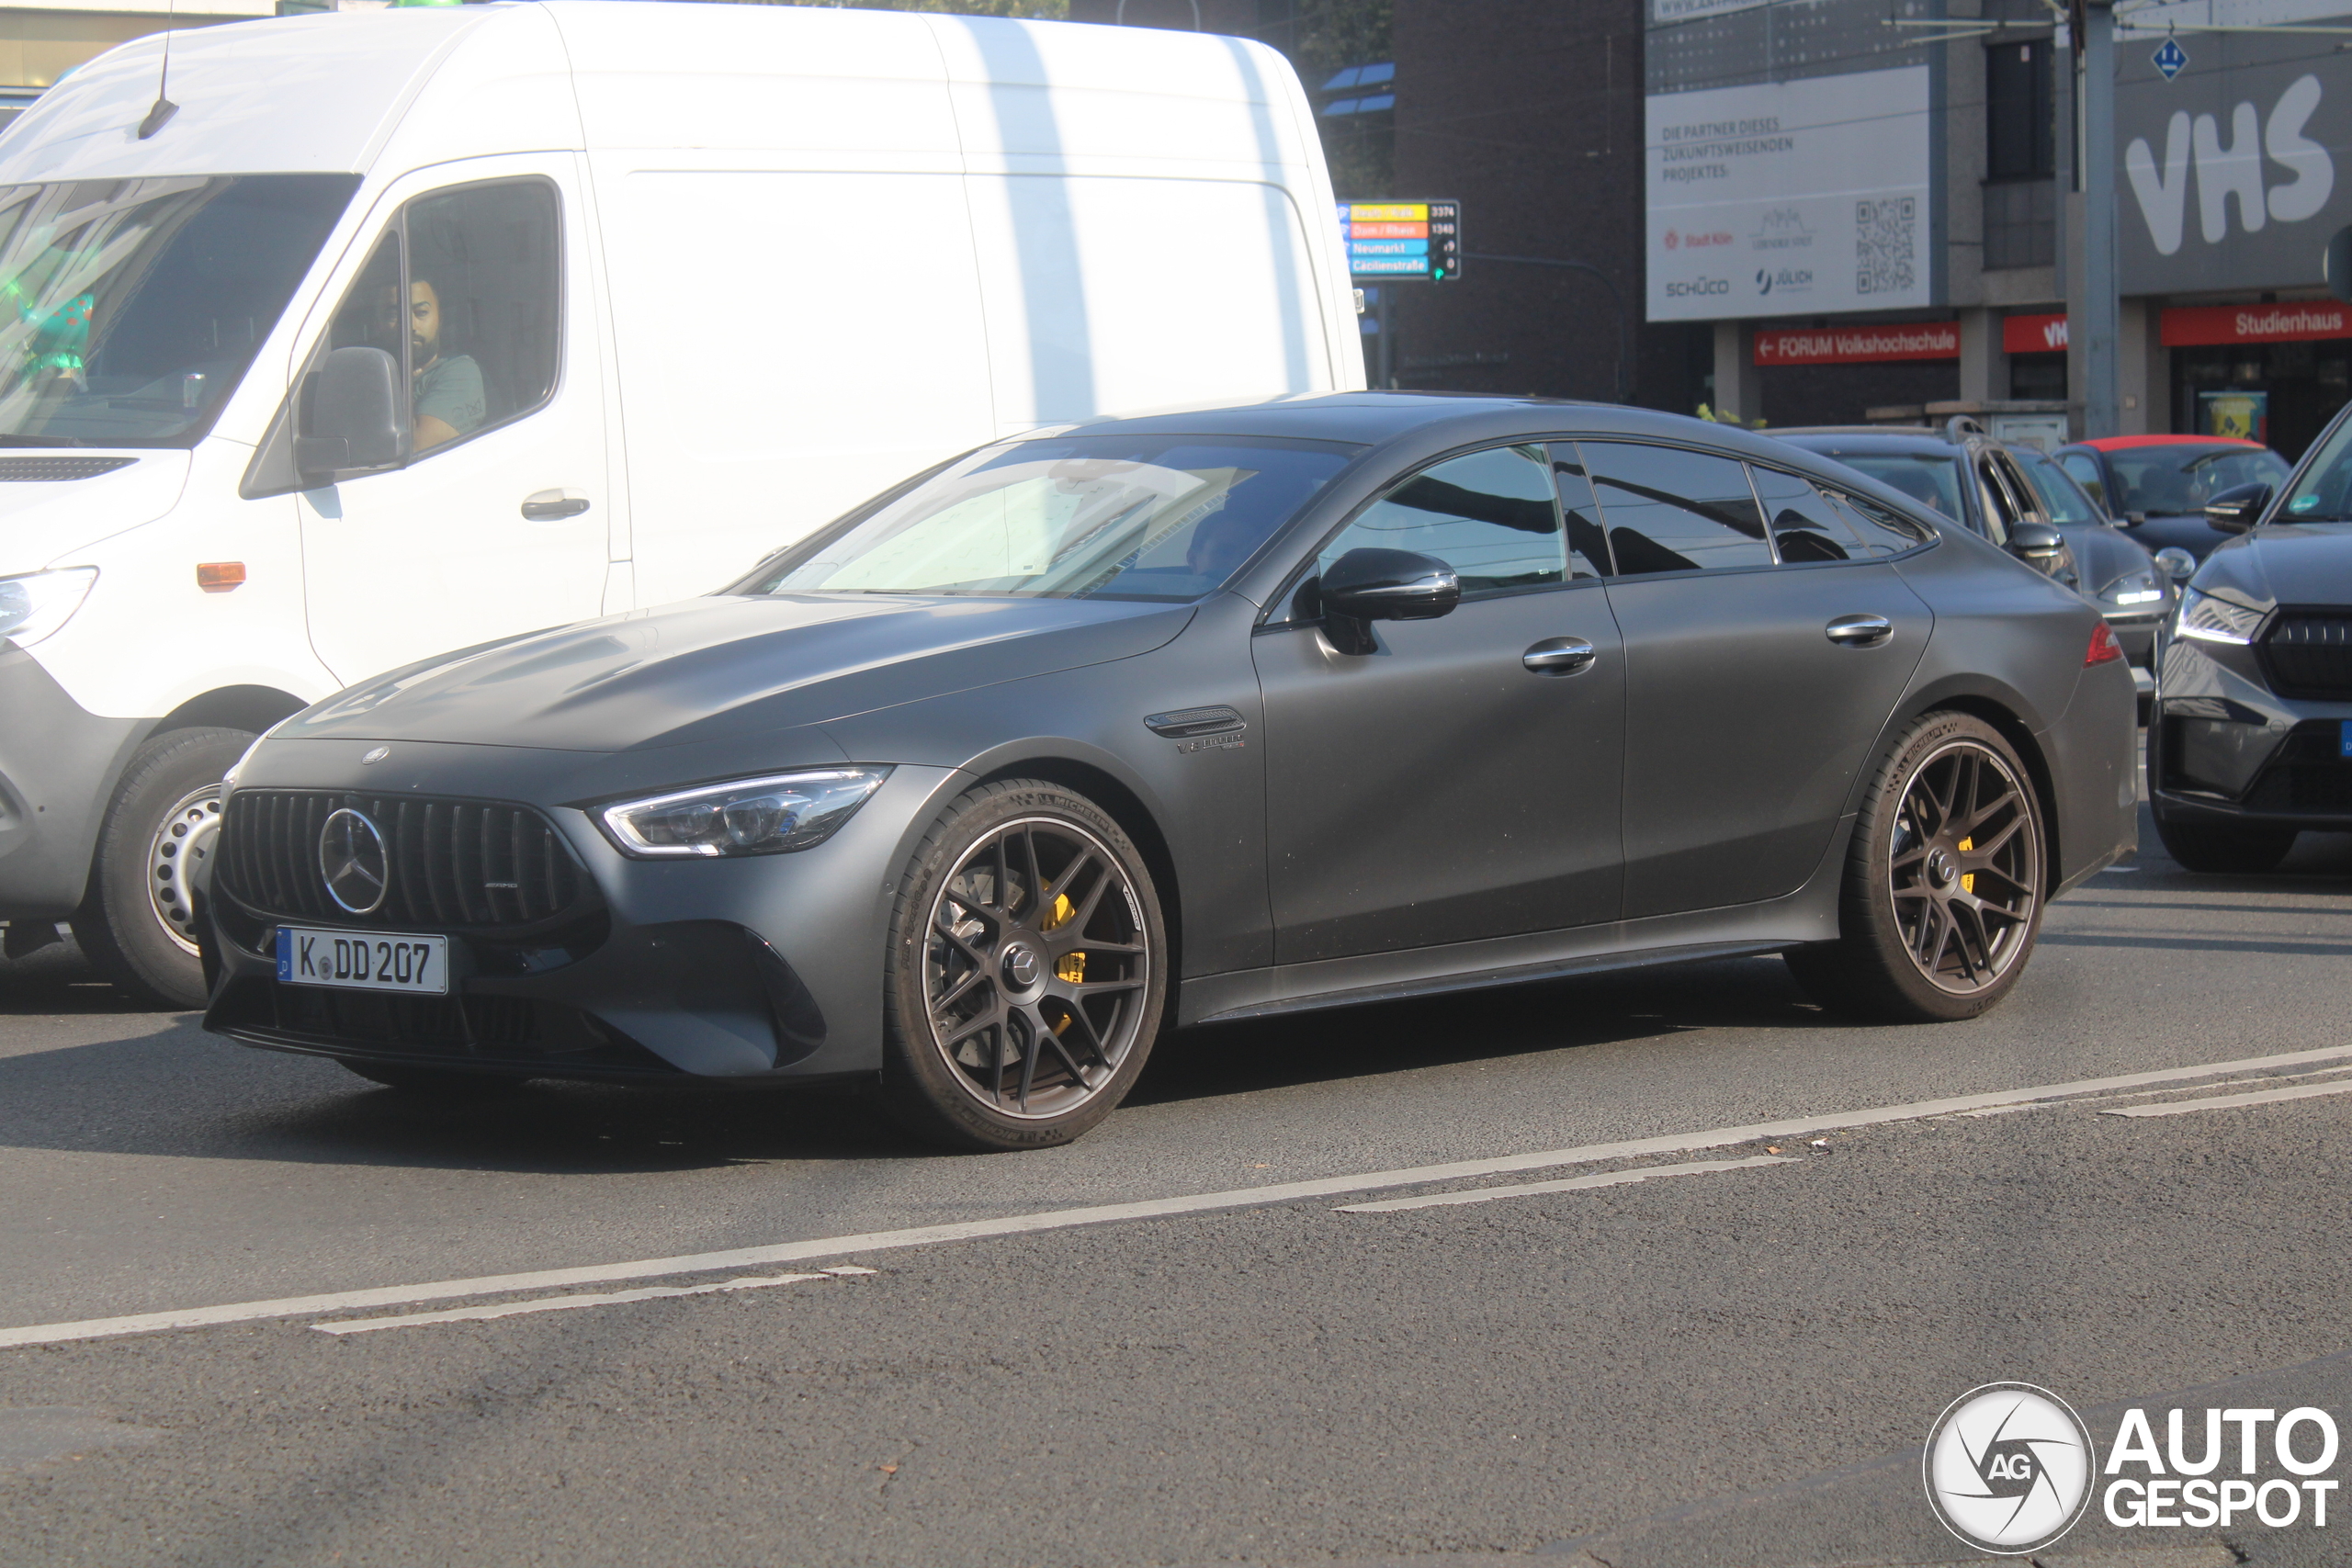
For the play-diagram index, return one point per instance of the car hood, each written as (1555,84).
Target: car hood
(2282,563)
(46,523)
(723,667)
(2104,555)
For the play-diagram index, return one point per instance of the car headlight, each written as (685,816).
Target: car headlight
(2207,619)
(769,815)
(2140,588)
(36,604)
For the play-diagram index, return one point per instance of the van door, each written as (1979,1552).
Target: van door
(496,523)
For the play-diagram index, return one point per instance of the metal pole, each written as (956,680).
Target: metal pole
(1386,356)
(2100,306)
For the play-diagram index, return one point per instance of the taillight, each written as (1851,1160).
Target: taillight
(2104,648)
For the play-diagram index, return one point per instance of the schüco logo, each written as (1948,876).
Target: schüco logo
(1681,288)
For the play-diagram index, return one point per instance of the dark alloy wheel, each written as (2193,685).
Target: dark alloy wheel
(1944,882)
(1027,976)
(2246,852)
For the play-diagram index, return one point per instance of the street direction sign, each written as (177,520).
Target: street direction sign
(1403,241)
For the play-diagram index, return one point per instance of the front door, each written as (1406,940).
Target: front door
(1749,712)
(1437,789)
(497,524)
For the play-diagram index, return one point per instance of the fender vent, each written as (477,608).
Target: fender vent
(33,470)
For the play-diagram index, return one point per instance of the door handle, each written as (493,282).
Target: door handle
(549,505)
(1559,656)
(1858,631)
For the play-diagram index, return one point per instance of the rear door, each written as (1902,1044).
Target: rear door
(1745,721)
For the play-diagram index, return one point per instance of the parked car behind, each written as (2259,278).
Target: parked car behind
(2253,744)
(2135,589)
(2157,485)
(1195,717)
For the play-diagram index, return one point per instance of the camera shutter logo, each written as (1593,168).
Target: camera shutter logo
(352,860)
(2009,1467)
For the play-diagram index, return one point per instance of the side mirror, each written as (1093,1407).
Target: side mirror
(2133,519)
(1384,585)
(2036,541)
(358,418)
(2234,510)
(2177,563)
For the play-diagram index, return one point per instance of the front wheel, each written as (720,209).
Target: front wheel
(2248,852)
(138,921)
(1026,975)
(1944,882)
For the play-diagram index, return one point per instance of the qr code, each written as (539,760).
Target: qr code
(1885,238)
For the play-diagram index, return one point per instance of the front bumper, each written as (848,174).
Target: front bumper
(755,969)
(58,768)
(2226,748)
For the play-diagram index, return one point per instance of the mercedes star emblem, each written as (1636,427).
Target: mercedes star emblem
(352,859)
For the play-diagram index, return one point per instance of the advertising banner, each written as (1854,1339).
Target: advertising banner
(2033,334)
(2234,172)
(1807,197)
(2189,326)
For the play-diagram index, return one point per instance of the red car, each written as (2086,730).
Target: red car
(2157,485)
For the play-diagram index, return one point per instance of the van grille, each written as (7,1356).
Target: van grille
(2308,654)
(450,863)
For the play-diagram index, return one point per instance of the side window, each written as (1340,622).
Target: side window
(1587,541)
(1490,516)
(2085,471)
(1885,530)
(466,289)
(1672,510)
(1993,497)
(1807,525)
(2028,499)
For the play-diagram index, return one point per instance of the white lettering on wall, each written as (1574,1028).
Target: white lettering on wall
(2235,170)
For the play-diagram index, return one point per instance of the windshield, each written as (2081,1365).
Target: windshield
(2176,480)
(2063,500)
(1075,517)
(2324,493)
(130,308)
(1932,480)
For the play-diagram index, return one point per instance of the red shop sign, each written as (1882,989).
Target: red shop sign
(2192,324)
(1857,345)
(2033,334)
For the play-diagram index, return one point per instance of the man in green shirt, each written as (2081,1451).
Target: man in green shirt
(448,401)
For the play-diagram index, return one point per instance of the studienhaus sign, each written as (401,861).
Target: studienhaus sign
(1800,197)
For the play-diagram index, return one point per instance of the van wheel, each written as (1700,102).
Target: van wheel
(137,923)
(1944,882)
(1027,972)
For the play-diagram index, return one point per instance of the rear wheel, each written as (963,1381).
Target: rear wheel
(138,921)
(439,1083)
(2249,852)
(1026,974)
(1943,889)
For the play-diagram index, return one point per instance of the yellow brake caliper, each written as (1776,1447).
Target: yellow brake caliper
(1071,969)
(1968,882)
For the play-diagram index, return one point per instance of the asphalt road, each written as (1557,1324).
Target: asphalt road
(1733,1367)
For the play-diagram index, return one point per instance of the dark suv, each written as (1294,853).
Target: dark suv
(2251,743)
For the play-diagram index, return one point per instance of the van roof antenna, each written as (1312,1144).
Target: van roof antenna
(161,114)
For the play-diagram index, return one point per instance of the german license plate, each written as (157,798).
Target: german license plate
(356,961)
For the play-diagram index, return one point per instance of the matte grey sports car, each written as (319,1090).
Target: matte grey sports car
(1187,718)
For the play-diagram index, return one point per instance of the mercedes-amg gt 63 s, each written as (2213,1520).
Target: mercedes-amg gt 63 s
(1146,722)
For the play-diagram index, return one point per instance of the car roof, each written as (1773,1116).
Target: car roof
(1861,442)
(2124,443)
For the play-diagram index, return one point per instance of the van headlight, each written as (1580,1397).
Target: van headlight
(2206,619)
(36,604)
(768,815)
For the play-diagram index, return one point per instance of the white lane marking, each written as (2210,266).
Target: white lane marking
(1566,1184)
(1110,1213)
(562,1303)
(2083,1101)
(848,1270)
(2227,1102)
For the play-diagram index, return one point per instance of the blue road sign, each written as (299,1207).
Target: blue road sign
(2170,58)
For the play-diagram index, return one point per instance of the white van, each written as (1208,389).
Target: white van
(411,328)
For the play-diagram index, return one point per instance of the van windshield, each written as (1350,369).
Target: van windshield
(1076,517)
(130,308)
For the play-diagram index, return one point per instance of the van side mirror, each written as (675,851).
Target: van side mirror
(2035,541)
(1383,585)
(2234,510)
(358,418)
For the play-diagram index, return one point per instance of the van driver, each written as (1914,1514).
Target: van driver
(447,398)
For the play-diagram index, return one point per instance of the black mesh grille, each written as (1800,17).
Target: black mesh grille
(36,470)
(2308,774)
(472,864)
(2308,654)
